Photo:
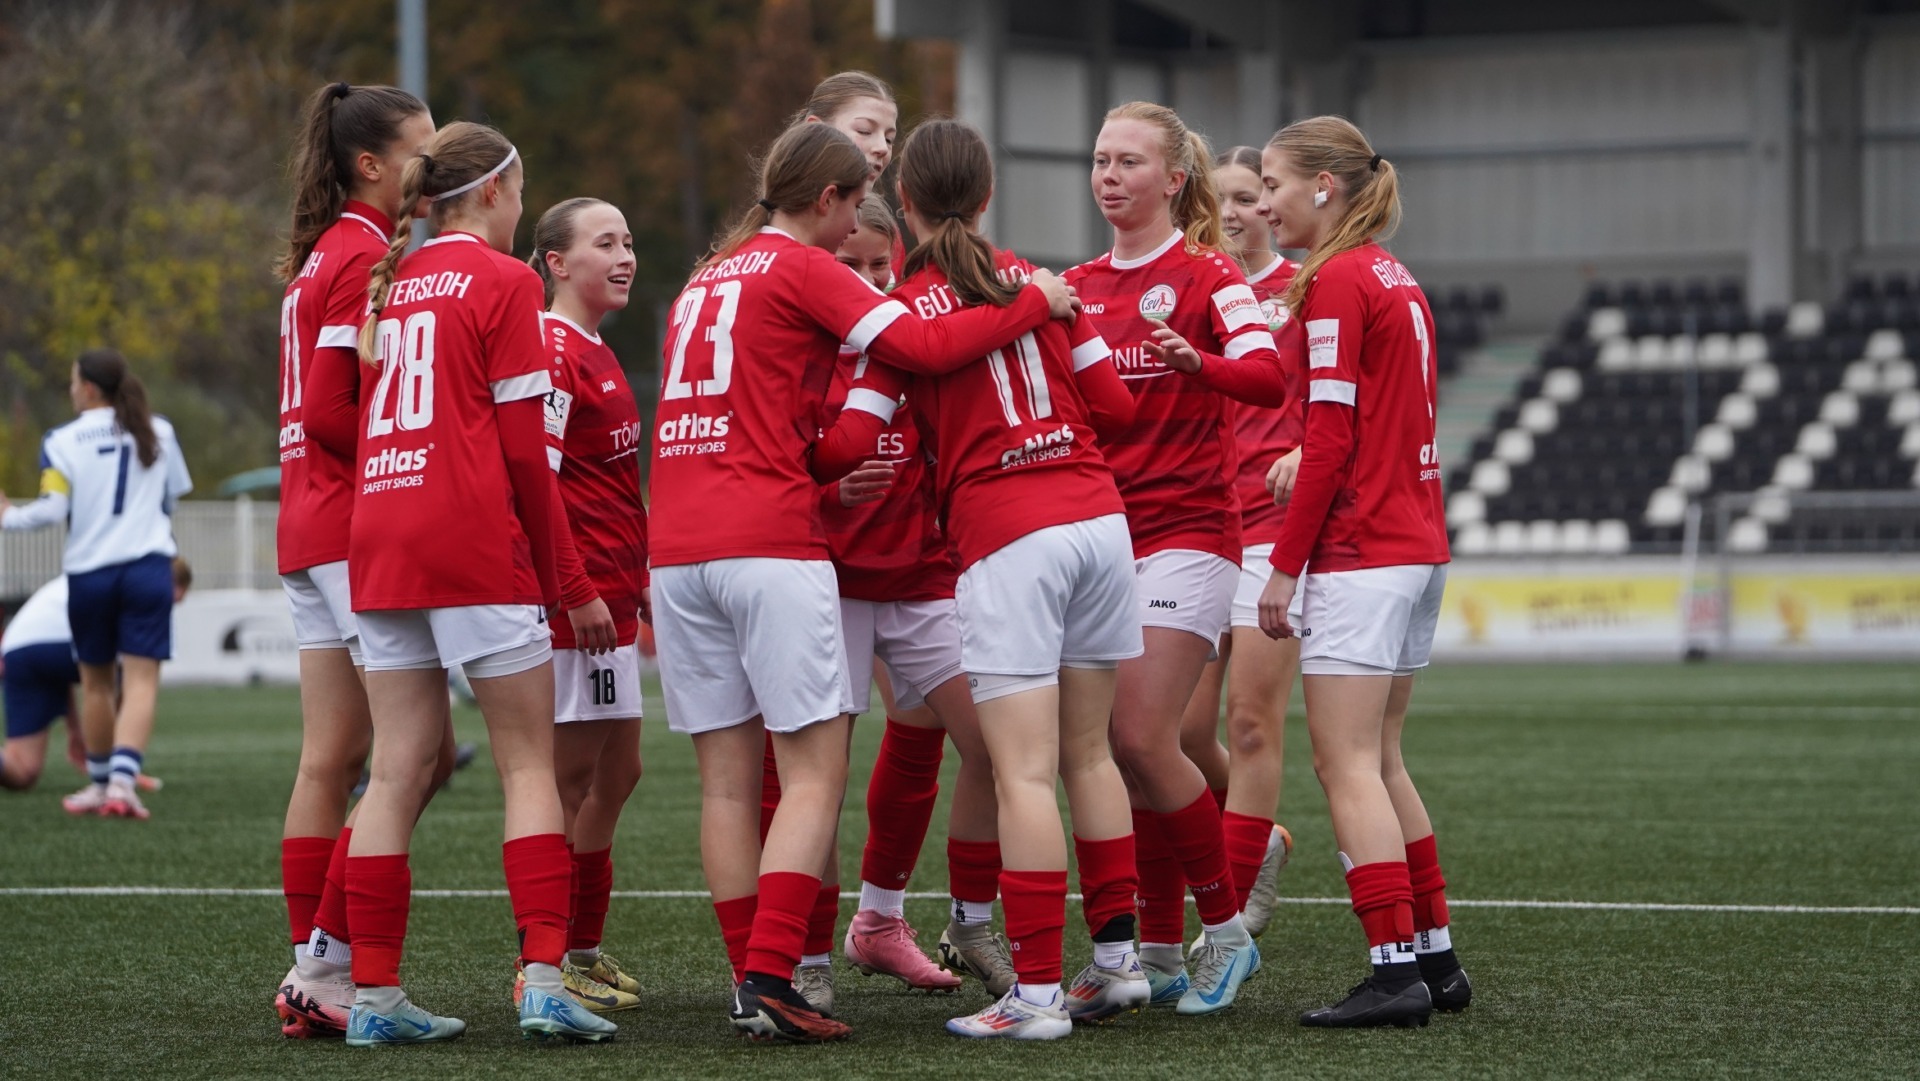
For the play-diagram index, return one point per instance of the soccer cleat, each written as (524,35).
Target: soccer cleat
(606,970)
(1451,991)
(148,783)
(405,1023)
(1099,993)
(1014,1018)
(595,996)
(1266,887)
(87,801)
(1165,988)
(1218,970)
(314,1009)
(815,984)
(884,945)
(779,1013)
(1368,1005)
(978,952)
(546,1017)
(123,802)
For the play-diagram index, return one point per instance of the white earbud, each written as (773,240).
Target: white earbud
(1319,199)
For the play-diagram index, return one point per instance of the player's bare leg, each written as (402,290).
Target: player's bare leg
(1258,685)
(1432,931)
(1200,723)
(22,760)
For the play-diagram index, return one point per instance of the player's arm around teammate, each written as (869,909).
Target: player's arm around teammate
(746,606)
(1186,331)
(353,144)
(454,445)
(113,475)
(1260,677)
(583,252)
(1366,514)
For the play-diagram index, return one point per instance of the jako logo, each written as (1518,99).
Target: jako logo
(1157,303)
(390,462)
(1169,605)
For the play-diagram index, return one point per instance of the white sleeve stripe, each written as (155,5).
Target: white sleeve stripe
(872,323)
(342,337)
(1332,390)
(553,458)
(872,401)
(530,385)
(1241,344)
(1089,353)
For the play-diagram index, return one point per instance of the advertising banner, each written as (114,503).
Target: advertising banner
(1567,609)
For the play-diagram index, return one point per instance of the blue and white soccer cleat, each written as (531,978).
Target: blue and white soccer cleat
(405,1023)
(1219,968)
(1165,988)
(544,1016)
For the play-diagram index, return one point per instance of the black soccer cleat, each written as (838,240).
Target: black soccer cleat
(1451,990)
(1368,1005)
(779,1013)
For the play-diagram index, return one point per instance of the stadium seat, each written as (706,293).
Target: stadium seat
(1611,537)
(1805,320)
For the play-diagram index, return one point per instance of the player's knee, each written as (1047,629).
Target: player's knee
(1251,732)
(616,780)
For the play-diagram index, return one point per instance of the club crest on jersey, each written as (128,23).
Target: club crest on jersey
(1157,303)
(1276,312)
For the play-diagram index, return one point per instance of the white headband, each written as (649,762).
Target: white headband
(512,153)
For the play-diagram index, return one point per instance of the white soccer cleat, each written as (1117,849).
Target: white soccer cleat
(1014,1018)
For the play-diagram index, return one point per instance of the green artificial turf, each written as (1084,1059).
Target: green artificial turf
(1713,785)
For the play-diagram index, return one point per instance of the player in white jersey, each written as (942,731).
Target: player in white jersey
(37,654)
(113,475)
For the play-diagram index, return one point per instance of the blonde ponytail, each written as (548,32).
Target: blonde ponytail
(1196,206)
(1331,144)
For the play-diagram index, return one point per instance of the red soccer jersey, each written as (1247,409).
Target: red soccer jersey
(892,549)
(1011,435)
(593,426)
(320,319)
(1176,463)
(1263,435)
(434,524)
(1369,493)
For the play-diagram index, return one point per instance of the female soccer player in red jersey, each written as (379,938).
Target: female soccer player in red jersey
(583,253)
(896,601)
(354,142)
(1366,522)
(746,606)
(861,106)
(1247,782)
(1045,597)
(452,445)
(1187,334)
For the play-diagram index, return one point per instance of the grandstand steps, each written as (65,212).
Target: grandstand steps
(1469,399)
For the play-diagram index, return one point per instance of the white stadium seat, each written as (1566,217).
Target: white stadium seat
(1860,377)
(1690,473)
(1650,352)
(1747,535)
(1510,538)
(1606,323)
(1514,446)
(1750,348)
(1682,349)
(1561,385)
(1761,381)
(1610,537)
(1904,408)
(1539,416)
(1896,375)
(1667,506)
(1714,443)
(1576,536)
(1910,441)
(1806,320)
(1716,351)
(1794,472)
(1840,409)
(1543,537)
(1737,411)
(1616,355)
(1770,505)
(1816,442)
(1474,539)
(1885,344)
(1466,508)
(1490,477)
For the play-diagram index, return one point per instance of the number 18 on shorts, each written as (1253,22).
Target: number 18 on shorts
(602,688)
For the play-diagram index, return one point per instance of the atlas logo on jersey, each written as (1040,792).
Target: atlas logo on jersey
(293,439)
(1158,303)
(677,438)
(395,469)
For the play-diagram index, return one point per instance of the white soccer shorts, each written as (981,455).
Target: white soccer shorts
(1184,590)
(602,688)
(919,641)
(750,636)
(488,640)
(1060,596)
(322,607)
(1255,569)
(1377,621)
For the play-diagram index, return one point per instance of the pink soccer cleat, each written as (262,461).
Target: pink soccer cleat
(87,801)
(314,1008)
(123,802)
(884,945)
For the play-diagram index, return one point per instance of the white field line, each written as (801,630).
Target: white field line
(686,895)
